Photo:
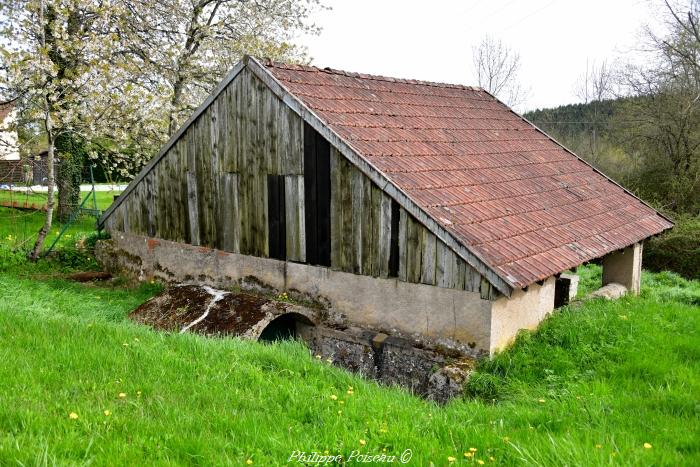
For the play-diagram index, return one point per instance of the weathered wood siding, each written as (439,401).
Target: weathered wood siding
(361,236)
(211,190)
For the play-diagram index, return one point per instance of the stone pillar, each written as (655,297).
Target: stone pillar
(624,267)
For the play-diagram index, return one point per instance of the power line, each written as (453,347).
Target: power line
(528,16)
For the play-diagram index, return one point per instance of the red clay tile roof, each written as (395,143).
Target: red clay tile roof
(525,205)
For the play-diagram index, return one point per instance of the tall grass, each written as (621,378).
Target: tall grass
(590,387)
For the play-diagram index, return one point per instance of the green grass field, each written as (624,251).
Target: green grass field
(19,228)
(103,198)
(80,384)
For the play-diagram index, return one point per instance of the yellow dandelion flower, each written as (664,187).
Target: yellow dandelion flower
(249,462)
(340,412)
(122,395)
(451,459)
(73,416)
(480,462)
(328,360)
(468,454)
(541,401)
(647,446)
(362,442)
(473,449)
(318,357)
(350,392)
(138,393)
(334,397)
(491,458)
(107,413)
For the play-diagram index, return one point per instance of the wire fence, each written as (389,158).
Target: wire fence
(23,200)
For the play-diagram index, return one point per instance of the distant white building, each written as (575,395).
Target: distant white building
(9,145)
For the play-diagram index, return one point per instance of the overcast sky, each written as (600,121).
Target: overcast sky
(433,40)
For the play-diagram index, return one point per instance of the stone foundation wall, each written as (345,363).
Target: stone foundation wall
(447,318)
(452,318)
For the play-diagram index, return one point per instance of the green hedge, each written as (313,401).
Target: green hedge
(677,250)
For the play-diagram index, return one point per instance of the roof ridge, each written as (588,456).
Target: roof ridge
(311,68)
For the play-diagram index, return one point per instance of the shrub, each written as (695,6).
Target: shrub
(677,250)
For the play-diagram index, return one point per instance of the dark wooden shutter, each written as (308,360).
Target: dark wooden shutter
(394,240)
(277,232)
(317,197)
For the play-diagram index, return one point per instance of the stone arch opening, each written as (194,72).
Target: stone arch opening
(287,326)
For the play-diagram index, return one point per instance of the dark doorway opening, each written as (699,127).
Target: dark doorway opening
(287,326)
(276,217)
(394,240)
(317,197)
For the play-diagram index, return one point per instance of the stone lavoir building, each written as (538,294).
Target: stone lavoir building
(404,207)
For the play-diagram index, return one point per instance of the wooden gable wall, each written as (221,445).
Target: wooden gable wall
(210,189)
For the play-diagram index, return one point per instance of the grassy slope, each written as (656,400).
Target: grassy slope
(615,374)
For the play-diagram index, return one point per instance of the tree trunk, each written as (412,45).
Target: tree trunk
(36,250)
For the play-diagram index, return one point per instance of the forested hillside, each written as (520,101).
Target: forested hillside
(651,145)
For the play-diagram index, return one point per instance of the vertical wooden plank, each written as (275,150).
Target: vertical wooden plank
(403,244)
(375,239)
(125,214)
(336,211)
(193,207)
(150,205)
(366,226)
(456,278)
(260,167)
(214,175)
(443,266)
(228,212)
(357,219)
(384,238)
(414,252)
(296,142)
(473,280)
(461,274)
(348,238)
(182,183)
(485,289)
(429,257)
(284,148)
(296,230)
